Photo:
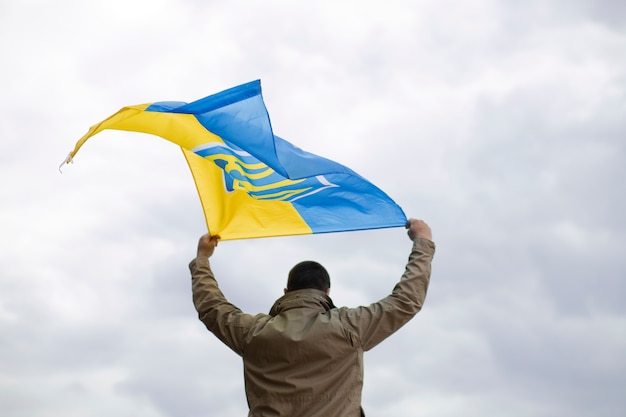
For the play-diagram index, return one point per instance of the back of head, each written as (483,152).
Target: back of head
(308,274)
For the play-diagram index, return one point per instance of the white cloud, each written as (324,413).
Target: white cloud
(501,124)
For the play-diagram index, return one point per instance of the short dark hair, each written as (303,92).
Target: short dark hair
(308,274)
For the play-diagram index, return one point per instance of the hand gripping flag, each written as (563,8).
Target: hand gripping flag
(252,183)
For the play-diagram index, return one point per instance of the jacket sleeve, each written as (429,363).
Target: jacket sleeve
(222,318)
(379,320)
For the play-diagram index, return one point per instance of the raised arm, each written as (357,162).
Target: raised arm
(379,320)
(223,319)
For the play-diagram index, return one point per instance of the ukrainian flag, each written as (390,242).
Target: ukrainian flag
(252,183)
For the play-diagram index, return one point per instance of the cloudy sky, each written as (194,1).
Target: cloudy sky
(502,124)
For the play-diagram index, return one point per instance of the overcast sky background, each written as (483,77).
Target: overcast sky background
(502,124)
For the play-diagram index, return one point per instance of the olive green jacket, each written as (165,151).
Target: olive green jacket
(305,358)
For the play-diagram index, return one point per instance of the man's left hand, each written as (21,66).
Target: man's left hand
(207,244)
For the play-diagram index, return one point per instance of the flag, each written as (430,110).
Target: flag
(252,183)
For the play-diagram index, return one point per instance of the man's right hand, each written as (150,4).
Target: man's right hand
(207,244)
(419,229)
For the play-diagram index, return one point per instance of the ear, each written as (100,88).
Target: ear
(285,290)
(327,291)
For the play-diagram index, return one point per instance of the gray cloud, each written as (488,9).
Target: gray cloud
(500,124)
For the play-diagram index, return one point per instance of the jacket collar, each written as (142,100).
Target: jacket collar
(307,298)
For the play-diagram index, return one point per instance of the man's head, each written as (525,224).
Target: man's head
(308,274)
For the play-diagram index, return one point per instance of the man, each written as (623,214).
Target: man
(305,358)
